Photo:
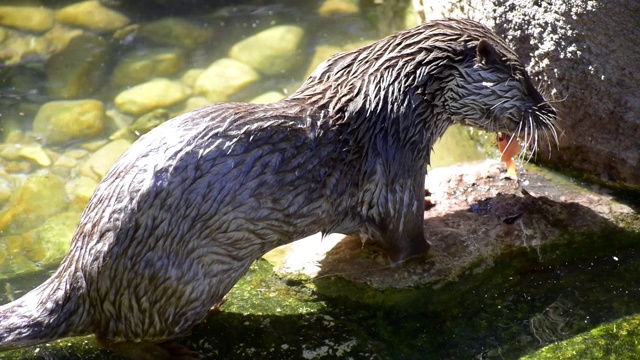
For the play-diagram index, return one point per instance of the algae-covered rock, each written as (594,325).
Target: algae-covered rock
(224,77)
(175,32)
(617,340)
(29,18)
(17,47)
(99,163)
(38,249)
(62,121)
(91,15)
(48,243)
(272,51)
(78,69)
(141,65)
(154,94)
(38,198)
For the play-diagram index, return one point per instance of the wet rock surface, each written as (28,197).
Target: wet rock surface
(478,214)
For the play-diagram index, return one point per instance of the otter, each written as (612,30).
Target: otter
(184,212)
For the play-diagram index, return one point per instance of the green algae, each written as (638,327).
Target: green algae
(505,308)
(616,340)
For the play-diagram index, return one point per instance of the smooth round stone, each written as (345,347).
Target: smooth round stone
(47,244)
(223,78)
(190,76)
(175,32)
(272,51)
(154,94)
(141,65)
(39,197)
(195,102)
(62,121)
(29,18)
(78,69)
(99,163)
(267,98)
(91,15)
(338,7)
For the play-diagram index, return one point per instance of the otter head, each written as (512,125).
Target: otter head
(492,91)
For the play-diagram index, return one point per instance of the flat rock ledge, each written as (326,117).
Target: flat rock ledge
(478,215)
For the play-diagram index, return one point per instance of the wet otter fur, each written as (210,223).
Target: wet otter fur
(185,211)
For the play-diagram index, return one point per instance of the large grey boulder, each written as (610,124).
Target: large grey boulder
(584,55)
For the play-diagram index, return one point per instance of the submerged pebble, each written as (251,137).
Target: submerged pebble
(224,77)
(91,15)
(151,95)
(29,18)
(63,121)
(272,51)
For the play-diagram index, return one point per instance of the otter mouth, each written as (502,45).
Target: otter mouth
(523,137)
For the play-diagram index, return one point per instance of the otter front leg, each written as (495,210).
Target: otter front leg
(397,218)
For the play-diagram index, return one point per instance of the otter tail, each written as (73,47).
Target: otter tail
(48,312)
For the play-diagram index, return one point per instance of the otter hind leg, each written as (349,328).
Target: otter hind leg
(146,350)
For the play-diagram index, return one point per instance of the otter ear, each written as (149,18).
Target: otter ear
(486,53)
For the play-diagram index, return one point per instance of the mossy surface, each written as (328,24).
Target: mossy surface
(616,340)
(525,300)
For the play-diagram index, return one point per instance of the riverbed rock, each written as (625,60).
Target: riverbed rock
(141,65)
(35,153)
(176,32)
(91,15)
(599,134)
(80,190)
(38,198)
(42,247)
(338,7)
(29,18)
(78,70)
(223,78)
(272,51)
(154,94)
(99,163)
(18,46)
(61,121)
(47,244)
